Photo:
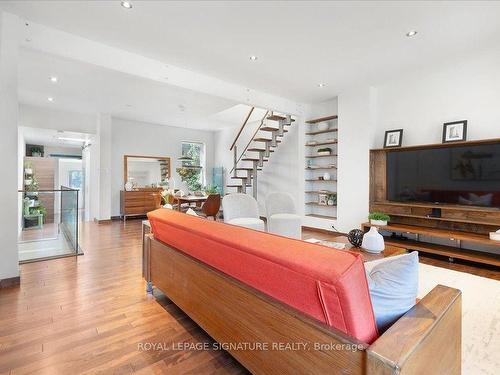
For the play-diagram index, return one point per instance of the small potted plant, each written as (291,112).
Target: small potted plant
(211,189)
(378,218)
(37,151)
(325,151)
(332,199)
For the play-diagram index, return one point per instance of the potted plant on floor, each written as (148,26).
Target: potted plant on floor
(378,218)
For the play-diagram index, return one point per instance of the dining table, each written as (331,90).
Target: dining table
(189,199)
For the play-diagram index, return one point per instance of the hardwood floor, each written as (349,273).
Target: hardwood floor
(90,315)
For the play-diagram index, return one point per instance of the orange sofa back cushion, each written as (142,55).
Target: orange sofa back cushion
(327,284)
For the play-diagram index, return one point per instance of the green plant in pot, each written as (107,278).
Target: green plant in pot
(36,151)
(211,189)
(332,199)
(378,218)
(324,151)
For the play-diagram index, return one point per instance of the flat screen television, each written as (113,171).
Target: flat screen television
(463,174)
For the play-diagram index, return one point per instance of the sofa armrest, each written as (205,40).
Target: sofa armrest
(426,340)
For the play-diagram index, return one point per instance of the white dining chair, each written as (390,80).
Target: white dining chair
(243,210)
(282,218)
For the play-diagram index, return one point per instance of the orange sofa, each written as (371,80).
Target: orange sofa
(245,286)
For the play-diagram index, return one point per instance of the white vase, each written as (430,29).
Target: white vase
(129,186)
(373,241)
(326,176)
(322,126)
(378,222)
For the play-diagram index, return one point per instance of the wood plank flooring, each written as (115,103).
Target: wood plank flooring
(90,315)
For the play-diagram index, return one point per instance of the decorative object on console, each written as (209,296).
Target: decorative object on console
(129,186)
(325,151)
(455,131)
(393,138)
(355,237)
(378,218)
(322,126)
(495,236)
(373,241)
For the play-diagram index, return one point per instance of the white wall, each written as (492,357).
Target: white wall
(139,138)
(9,111)
(356,126)
(41,117)
(422,101)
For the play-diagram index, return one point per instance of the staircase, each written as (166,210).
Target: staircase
(251,160)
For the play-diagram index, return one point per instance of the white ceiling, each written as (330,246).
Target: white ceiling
(299,44)
(87,88)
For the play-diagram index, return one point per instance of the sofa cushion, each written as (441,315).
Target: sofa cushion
(393,284)
(326,284)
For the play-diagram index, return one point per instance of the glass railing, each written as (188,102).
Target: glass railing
(49,224)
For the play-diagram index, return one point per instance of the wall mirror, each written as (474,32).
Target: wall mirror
(143,172)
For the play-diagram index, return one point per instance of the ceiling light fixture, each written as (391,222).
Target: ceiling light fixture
(253,58)
(50,99)
(53,79)
(411,33)
(127,4)
(321,85)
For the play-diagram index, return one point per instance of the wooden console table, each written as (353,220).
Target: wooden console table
(451,252)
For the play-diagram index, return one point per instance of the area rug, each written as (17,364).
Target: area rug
(480,316)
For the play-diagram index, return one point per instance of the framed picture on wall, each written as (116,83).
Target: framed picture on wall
(455,131)
(393,138)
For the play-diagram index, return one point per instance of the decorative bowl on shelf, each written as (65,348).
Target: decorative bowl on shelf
(495,236)
(324,153)
(322,126)
(311,143)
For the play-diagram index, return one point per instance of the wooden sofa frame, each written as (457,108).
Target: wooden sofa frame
(282,340)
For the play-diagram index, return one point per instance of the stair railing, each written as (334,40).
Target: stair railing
(236,159)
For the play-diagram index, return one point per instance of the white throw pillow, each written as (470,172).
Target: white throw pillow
(393,284)
(191,212)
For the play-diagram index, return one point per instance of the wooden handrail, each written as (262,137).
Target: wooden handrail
(242,127)
(251,139)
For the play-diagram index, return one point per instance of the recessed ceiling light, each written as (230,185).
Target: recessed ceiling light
(127,4)
(253,58)
(411,33)
(50,99)
(320,85)
(53,79)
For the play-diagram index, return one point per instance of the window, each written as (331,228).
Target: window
(75,179)
(193,171)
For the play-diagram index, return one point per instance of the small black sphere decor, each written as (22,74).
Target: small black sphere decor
(355,237)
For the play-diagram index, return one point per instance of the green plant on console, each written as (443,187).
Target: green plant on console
(379,216)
